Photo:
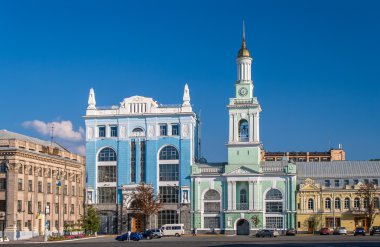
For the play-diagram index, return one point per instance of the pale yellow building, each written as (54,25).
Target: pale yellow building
(331,155)
(41,184)
(327,194)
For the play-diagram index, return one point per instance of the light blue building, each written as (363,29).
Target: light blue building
(139,141)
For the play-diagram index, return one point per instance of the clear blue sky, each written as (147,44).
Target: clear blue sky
(316,65)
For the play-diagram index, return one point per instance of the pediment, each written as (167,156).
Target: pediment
(242,171)
(309,187)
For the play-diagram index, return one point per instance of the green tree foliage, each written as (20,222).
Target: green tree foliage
(91,221)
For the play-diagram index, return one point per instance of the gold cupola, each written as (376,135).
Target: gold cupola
(243,52)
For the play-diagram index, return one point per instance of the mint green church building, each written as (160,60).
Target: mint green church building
(245,194)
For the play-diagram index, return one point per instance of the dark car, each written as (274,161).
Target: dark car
(148,234)
(374,230)
(291,232)
(324,231)
(359,231)
(135,236)
(264,233)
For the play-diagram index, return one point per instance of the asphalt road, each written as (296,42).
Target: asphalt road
(229,241)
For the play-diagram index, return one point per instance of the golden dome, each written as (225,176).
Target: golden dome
(243,52)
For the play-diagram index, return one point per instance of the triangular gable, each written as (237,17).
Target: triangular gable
(304,187)
(242,171)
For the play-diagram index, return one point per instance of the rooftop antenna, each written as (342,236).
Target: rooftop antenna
(52,133)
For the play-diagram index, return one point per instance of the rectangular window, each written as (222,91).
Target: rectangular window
(169,194)
(366,181)
(113,131)
(175,129)
(142,161)
(163,129)
(73,190)
(3,184)
(375,182)
(48,189)
(167,217)
(30,207)
(106,174)
(48,225)
(39,186)
(2,224)
(330,222)
(30,185)
(212,207)
(212,222)
(274,222)
(336,183)
(273,207)
(19,184)
(327,183)
(19,205)
(107,195)
(102,131)
(19,225)
(133,161)
(169,172)
(65,208)
(2,205)
(29,225)
(39,206)
(47,209)
(56,224)
(356,181)
(57,208)
(65,190)
(72,209)
(346,182)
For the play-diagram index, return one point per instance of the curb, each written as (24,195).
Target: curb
(62,241)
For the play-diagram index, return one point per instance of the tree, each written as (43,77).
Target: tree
(255,221)
(91,221)
(313,222)
(145,202)
(367,192)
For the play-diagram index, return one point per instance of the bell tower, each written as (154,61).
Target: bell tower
(244,146)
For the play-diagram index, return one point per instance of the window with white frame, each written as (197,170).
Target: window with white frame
(357,202)
(175,129)
(274,203)
(107,195)
(167,217)
(327,203)
(274,222)
(337,203)
(113,131)
(163,129)
(212,222)
(102,131)
(211,202)
(107,154)
(347,203)
(106,174)
(310,204)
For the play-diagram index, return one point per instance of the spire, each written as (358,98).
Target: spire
(186,107)
(91,100)
(186,96)
(243,52)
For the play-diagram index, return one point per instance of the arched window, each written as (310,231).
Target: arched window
(275,204)
(107,154)
(274,194)
(243,196)
(212,195)
(347,203)
(337,203)
(376,202)
(211,202)
(138,132)
(356,202)
(169,153)
(327,203)
(243,130)
(310,204)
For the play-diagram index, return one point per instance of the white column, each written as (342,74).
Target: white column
(250,193)
(229,195)
(256,127)
(236,129)
(251,127)
(231,128)
(233,195)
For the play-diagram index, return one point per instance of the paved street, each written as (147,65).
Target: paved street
(230,241)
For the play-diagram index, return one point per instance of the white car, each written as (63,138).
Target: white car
(157,233)
(275,233)
(340,231)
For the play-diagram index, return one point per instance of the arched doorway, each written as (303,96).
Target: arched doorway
(242,227)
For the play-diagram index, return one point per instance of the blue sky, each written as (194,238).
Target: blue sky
(316,66)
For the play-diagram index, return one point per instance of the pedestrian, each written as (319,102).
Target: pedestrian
(129,235)
(194,232)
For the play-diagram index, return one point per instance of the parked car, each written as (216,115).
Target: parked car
(135,236)
(359,231)
(148,234)
(374,230)
(324,231)
(340,231)
(264,233)
(173,230)
(157,233)
(291,232)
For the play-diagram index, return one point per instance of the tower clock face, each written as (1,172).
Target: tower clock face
(243,91)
